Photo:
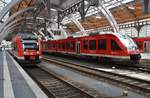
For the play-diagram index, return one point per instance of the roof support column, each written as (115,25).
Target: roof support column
(51,33)
(11,17)
(109,16)
(77,23)
(4,11)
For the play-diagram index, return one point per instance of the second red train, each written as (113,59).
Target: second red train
(115,47)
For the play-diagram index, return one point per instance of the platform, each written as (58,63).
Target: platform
(145,56)
(15,82)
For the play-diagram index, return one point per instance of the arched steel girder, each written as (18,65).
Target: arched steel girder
(106,12)
(49,30)
(12,23)
(64,32)
(9,30)
(4,11)
(11,17)
(17,20)
(40,31)
(8,26)
(77,23)
(79,7)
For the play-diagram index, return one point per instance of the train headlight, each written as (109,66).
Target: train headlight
(25,52)
(37,52)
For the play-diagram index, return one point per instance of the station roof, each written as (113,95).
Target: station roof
(123,11)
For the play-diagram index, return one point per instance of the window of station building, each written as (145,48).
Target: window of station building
(145,31)
(85,44)
(92,44)
(114,45)
(130,31)
(56,32)
(102,44)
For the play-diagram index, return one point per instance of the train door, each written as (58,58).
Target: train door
(147,46)
(78,47)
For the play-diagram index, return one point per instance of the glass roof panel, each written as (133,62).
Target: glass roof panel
(3,3)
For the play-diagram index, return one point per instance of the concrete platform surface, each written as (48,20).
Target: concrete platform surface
(145,56)
(14,81)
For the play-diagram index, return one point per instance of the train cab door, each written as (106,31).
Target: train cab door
(147,46)
(78,47)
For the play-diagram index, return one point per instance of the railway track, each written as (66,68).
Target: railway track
(139,69)
(136,84)
(54,86)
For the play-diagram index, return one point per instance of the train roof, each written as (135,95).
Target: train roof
(25,36)
(70,38)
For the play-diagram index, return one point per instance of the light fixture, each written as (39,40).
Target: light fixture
(131,7)
(86,2)
(98,16)
(52,9)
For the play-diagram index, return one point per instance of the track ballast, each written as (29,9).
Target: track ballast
(54,86)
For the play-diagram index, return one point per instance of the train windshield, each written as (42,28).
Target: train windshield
(30,45)
(128,42)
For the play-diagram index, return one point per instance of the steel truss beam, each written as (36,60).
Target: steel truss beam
(12,17)
(4,11)
(80,7)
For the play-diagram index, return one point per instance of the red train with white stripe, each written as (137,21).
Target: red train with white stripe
(26,48)
(115,47)
(143,44)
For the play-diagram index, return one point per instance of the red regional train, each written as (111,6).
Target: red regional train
(110,47)
(26,48)
(143,44)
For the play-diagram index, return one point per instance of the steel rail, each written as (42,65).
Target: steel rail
(134,83)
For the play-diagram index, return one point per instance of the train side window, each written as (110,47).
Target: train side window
(63,45)
(114,45)
(92,44)
(102,44)
(85,44)
(59,45)
(72,45)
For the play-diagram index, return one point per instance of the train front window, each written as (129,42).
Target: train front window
(30,46)
(128,42)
